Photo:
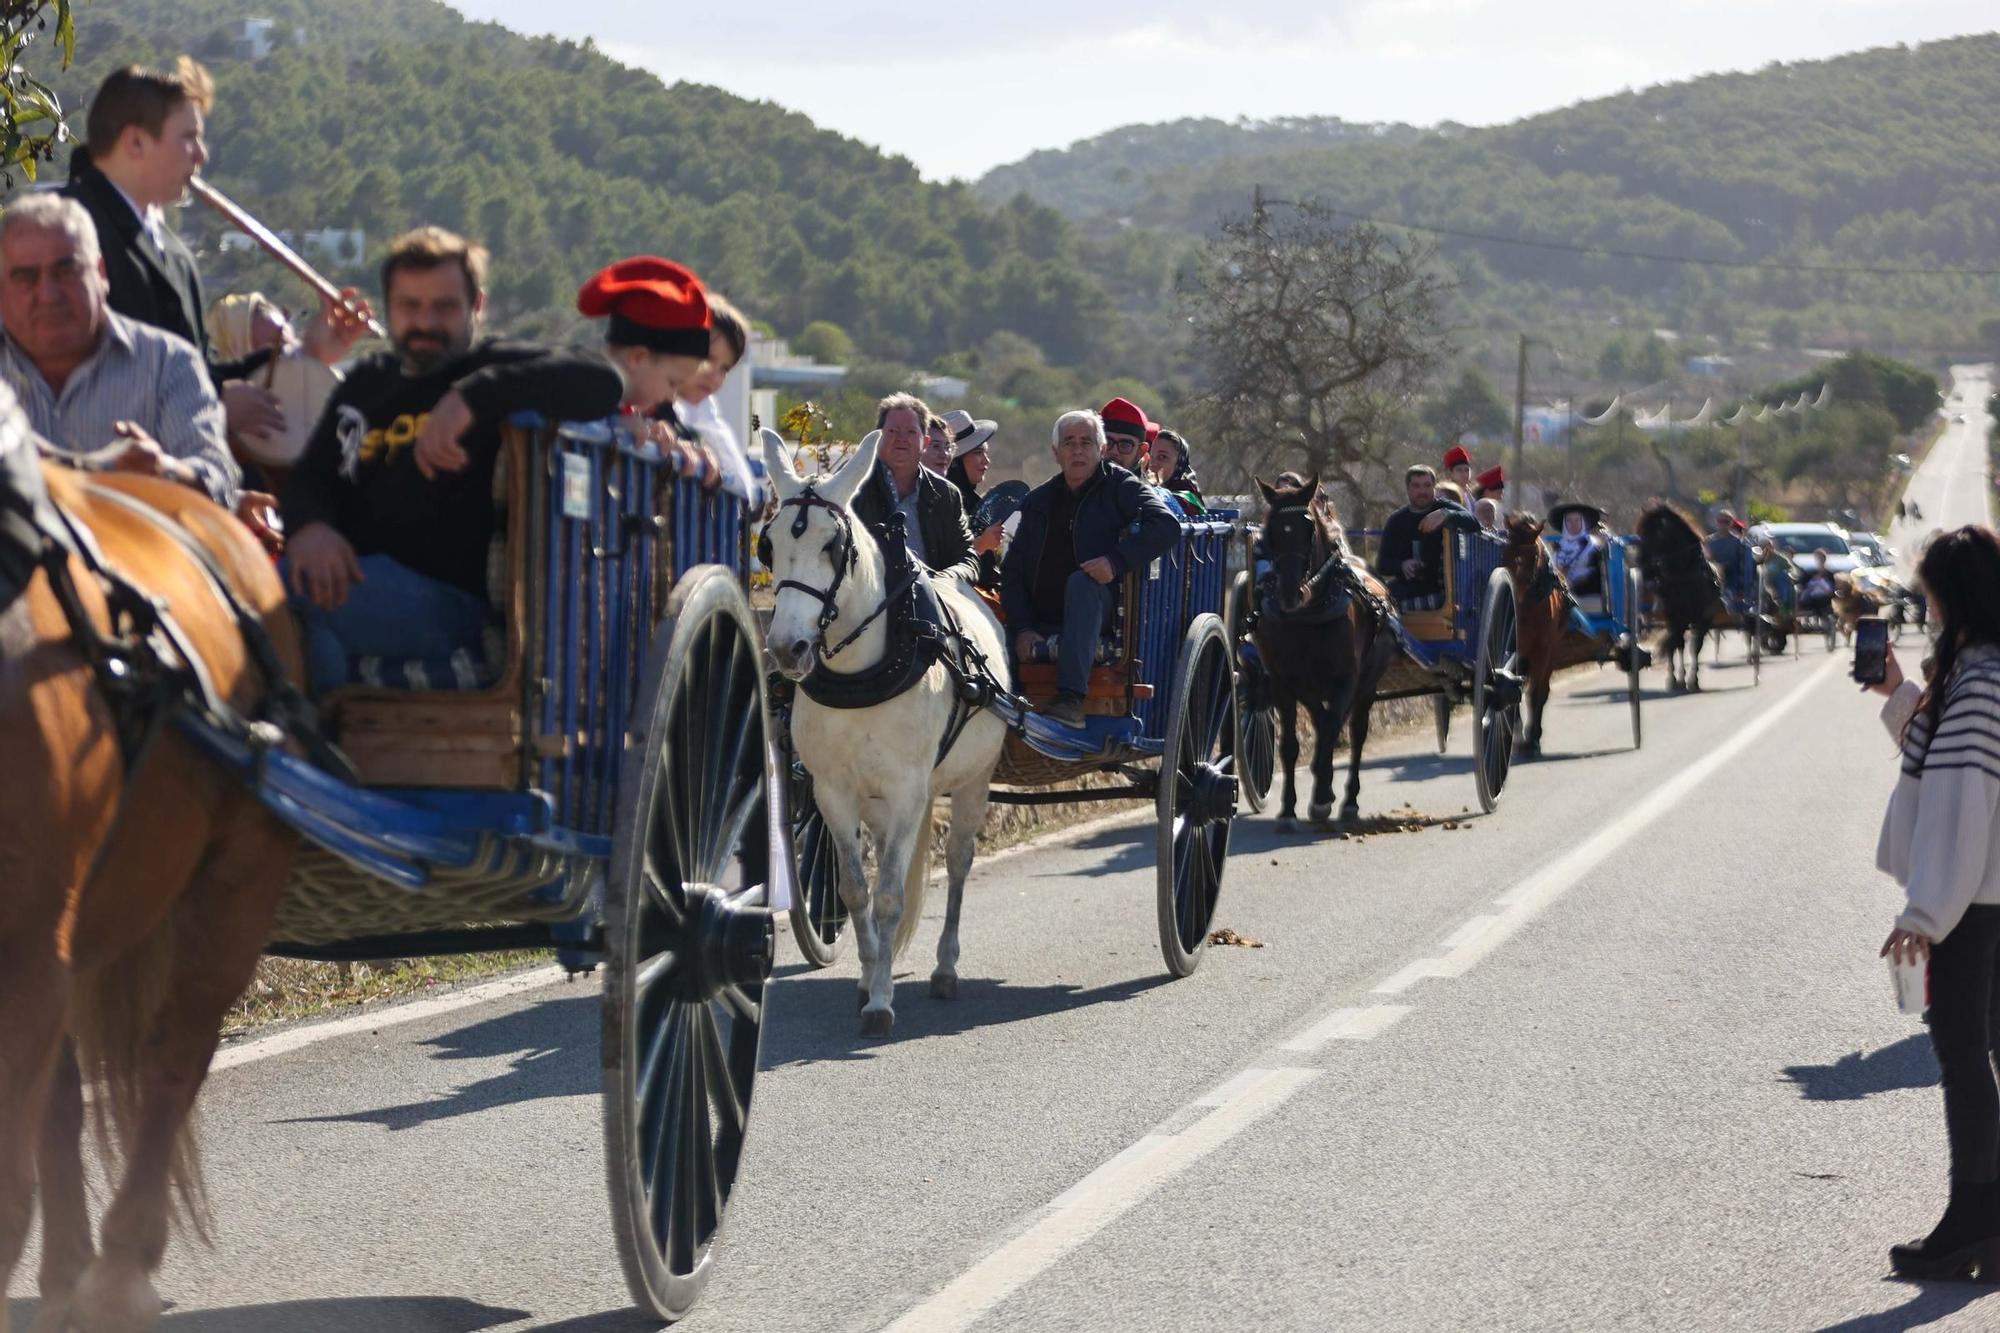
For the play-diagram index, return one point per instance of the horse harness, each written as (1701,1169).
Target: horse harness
(1333,573)
(144,665)
(923,632)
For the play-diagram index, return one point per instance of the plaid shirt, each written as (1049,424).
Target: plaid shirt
(139,374)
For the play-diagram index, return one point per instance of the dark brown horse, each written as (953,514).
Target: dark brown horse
(1543,596)
(135,903)
(1322,634)
(1674,561)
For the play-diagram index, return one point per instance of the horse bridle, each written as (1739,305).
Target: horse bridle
(842,551)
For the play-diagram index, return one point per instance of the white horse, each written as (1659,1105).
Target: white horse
(877,768)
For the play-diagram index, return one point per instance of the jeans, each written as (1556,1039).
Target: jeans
(1086,609)
(394,612)
(1964,1023)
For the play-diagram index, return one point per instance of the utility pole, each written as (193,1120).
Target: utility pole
(1518,475)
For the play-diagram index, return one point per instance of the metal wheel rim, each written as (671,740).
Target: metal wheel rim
(1201,732)
(1632,669)
(692,850)
(1257,745)
(1495,729)
(819,917)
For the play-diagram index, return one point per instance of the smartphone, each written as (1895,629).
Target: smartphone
(1871,650)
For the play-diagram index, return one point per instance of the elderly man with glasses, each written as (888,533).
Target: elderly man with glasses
(1081,531)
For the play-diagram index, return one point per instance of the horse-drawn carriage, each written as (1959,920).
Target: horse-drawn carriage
(1462,647)
(1160,722)
(605,789)
(1603,626)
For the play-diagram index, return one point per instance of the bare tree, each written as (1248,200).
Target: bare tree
(1313,335)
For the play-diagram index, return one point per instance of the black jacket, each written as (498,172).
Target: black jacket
(359,474)
(940,519)
(160,287)
(1401,540)
(1117,516)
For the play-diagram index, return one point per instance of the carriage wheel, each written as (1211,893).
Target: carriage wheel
(1441,713)
(1196,801)
(689,941)
(1257,743)
(1632,665)
(819,917)
(1496,691)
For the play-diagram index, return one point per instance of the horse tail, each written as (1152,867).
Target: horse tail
(914,885)
(114,1015)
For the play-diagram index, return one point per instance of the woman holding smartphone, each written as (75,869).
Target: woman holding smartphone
(1939,841)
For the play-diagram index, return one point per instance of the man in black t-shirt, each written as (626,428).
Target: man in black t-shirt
(1411,557)
(390,511)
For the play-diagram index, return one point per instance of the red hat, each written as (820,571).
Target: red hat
(1123,417)
(1455,455)
(1492,479)
(653,303)
(1152,431)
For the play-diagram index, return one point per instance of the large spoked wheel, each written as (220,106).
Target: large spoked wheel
(1496,691)
(819,917)
(1632,665)
(689,941)
(1196,801)
(1441,714)
(1257,743)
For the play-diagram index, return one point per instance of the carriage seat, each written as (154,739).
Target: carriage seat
(1429,602)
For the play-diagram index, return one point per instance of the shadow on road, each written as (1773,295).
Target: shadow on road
(355,1314)
(1928,1303)
(1909,1063)
(816,1018)
(553,1053)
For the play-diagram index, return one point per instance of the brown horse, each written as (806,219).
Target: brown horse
(1544,599)
(135,904)
(1321,631)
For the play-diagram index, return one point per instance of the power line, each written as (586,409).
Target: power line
(1611,253)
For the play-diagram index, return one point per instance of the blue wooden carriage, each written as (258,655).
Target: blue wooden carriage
(1460,647)
(1161,724)
(607,789)
(1604,625)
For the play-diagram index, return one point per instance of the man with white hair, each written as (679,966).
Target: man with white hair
(88,377)
(1081,531)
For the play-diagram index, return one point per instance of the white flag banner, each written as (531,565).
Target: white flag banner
(1616,405)
(1825,396)
(1739,416)
(1701,418)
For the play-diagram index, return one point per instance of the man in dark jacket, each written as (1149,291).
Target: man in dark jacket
(145,144)
(933,515)
(1080,532)
(1411,557)
(390,511)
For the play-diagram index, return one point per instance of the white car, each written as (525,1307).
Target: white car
(1803,542)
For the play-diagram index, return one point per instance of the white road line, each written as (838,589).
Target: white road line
(389,1016)
(1098,1200)
(1346,1025)
(1465,947)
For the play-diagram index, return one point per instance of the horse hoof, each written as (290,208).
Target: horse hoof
(943,987)
(1320,814)
(109,1302)
(861,998)
(877,1022)
(1286,824)
(53,1317)
(1350,814)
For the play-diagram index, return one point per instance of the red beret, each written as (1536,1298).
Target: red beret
(652,303)
(1123,417)
(1455,455)
(1492,479)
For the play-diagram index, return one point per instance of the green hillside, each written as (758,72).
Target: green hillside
(1888,157)
(381,114)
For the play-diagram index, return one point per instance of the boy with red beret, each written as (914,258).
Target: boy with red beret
(1458,468)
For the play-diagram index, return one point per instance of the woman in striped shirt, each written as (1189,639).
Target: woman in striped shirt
(1939,841)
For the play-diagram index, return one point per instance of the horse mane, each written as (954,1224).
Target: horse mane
(1663,517)
(1524,528)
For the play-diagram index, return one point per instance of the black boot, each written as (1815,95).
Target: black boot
(1966,1238)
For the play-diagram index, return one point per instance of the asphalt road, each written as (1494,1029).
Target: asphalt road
(1620,1055)
(1952,488)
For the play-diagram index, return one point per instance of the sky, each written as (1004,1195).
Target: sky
(961,87)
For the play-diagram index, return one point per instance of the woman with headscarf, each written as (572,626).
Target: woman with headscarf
(1173,470)
(971,456)
(1579,550)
